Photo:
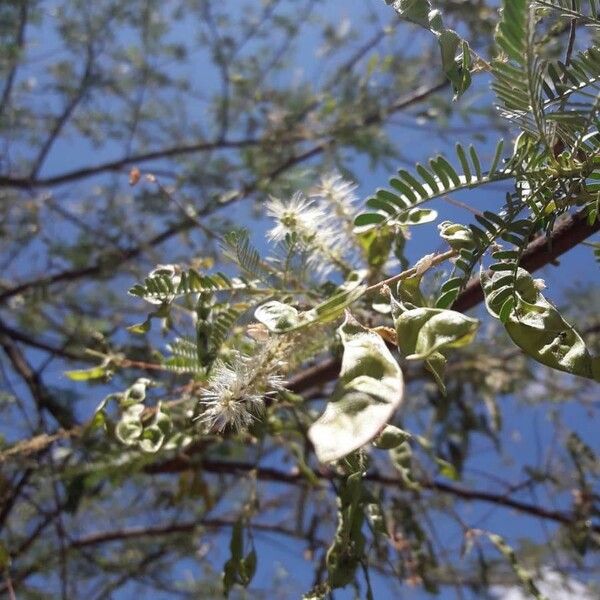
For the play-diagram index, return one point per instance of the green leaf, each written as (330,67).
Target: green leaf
(451,284)
(248,567)
(409,291)
(238,569)
(368,392)
(376,244)
(447,469)
(166,283)
(278,316)
(347,550)
(446,299)
(88,374)
(302,465)
(376,516)
(154,435)
(390,437)
(524,577)
(420,13)
(369,219)
(236,543)
(506,309)
(424,331)
(416,216)
(282,318)
(401,458)
(136,393)
(129,429)
(229,576)
(231,568)
(458,236)
(536,326)
(519,82)
(75,489)
(455,68)
(416,11)
(414,189)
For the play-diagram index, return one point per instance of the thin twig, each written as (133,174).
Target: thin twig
(428,263)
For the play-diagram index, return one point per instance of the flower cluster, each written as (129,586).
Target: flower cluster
(339,193)
(325,235)
(237,390)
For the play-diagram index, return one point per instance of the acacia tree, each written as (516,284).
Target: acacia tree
(323,385)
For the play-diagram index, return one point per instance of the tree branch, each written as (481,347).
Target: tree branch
(40,345)
(104,537)
(568,233)
(375,118)
(119,164)
(19,42)
(182,463)
(111,261)
(41,396)
(64,117)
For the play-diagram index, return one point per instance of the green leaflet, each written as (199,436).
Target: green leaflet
(376,244)
(131,429)
(238,569)
(390,437)
(457,235)
(401,458)
(97,372)
(369,390)
(525,579)
(457,70)
(87,374)
(535,325)
(424,333)
(417,216)
(347,550)
(281,318)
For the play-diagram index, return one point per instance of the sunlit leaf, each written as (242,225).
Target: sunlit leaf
(281,318)
(369,390)
(536,326)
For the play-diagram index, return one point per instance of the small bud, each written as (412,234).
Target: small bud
(387,333)
(134,176)
(258,332)
(424,264)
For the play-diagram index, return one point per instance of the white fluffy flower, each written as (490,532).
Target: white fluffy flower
(339,193)
(236,392)
(299,216)
(320,237)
